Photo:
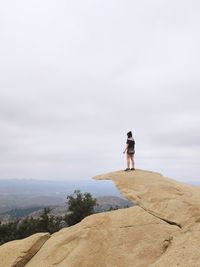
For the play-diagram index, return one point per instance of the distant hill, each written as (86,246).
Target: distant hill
(56,187)
(103,204)
(30,193)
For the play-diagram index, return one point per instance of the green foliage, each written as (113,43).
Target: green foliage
(79,205)
(49,223)
(29,226)
(7,232)
(114,208)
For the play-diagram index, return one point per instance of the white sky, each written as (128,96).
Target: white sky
(75,76)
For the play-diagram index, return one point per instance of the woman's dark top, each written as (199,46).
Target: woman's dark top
(131,145)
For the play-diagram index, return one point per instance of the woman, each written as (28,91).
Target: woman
(130,148)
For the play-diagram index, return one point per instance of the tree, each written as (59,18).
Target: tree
(45,219)
(79,205)
(7,232)
(28,226)
(48,222)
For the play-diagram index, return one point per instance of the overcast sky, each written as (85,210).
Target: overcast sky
(75,76)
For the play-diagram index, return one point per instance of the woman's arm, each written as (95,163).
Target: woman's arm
(125,149)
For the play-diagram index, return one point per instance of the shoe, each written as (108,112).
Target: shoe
(132,169)
(127,169)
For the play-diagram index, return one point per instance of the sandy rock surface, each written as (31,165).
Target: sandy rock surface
(18,253)
(118,238)
(162,230)
(168,199)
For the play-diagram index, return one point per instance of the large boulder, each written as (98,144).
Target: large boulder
(128,237)
(175,202)
(162,230)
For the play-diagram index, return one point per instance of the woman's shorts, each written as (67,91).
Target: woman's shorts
(131,154)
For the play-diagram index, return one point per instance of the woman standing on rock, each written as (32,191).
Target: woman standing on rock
(130,148)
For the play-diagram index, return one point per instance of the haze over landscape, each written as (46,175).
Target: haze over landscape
(77,75)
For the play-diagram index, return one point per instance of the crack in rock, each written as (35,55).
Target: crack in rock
(165,220)
(29,254)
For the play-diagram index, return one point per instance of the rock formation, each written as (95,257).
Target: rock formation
(163,229)
(18,253)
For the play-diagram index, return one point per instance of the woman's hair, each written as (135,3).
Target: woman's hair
(129,134)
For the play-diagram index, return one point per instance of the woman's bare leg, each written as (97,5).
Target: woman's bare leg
(128,160)
(133,162)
